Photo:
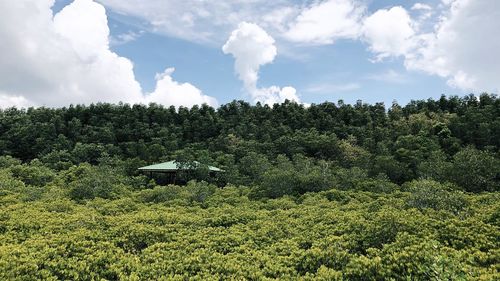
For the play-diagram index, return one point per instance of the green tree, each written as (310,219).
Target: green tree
(475,170)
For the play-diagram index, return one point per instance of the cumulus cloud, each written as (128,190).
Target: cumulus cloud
(463,48)
(389,32)
(252,48)
(460,44)
(167,90)
(275,94)
(313,22)
(325,22)
(62,59)
(66,58)
(460,47)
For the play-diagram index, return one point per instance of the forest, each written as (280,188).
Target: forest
(332,191)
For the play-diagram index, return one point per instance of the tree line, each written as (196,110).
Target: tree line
(451,139)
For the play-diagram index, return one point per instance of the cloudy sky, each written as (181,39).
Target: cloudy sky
(173,52)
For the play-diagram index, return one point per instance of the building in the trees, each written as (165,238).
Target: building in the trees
(176,172)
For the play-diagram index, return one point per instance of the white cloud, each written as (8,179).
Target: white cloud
(62,59)
(421,6)
(167,92)
(447,2)
(279,18)
(327,21)
(125,38)
(389,32)
(312,22)
(16,101)
(275,94)
(252,48)
(424,12)
(85,24)
(204,21)
(66,58)
(464,46)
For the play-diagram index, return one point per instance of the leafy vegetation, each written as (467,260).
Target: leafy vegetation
(328,192)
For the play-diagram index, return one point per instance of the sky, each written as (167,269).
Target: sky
(60,52)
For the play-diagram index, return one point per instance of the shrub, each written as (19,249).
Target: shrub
(200,191)
(9,183)
(87,182)
(33,174)
(58,160)
(475,170)
(8,161)
(434,195)
(295,178)
(90,188)
(377,186)
(162,194)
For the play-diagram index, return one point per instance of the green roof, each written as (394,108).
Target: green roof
(173,166)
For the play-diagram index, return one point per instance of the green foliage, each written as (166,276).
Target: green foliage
(377,185)
(193,192)
(88,182)
(350,178)
(8,161)
(58,160)
(330,235)
(388,165)
(253,166)
(436,167)
(161,194)
(35,174)
(327,192)
(475,170)
(430,194)
(10,184)
(295,178)
(246,140)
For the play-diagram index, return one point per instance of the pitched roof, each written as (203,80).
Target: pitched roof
(174,166)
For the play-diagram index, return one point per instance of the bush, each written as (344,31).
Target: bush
(33,174)
(475,170)
(9,183)
(295,178)
(162,194)
(377,186)
(58,160)
(429,194)
(8,161)
(113,207)
(88,182)
(62,205)
(90,188)
(348,179)
(193,192)
(199,192)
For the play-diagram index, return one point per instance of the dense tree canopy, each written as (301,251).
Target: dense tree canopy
(326,192)
(450,139)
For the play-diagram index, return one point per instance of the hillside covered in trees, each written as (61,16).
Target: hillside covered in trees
(328,192)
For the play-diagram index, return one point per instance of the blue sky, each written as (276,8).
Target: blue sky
(343,69)
(382,51)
